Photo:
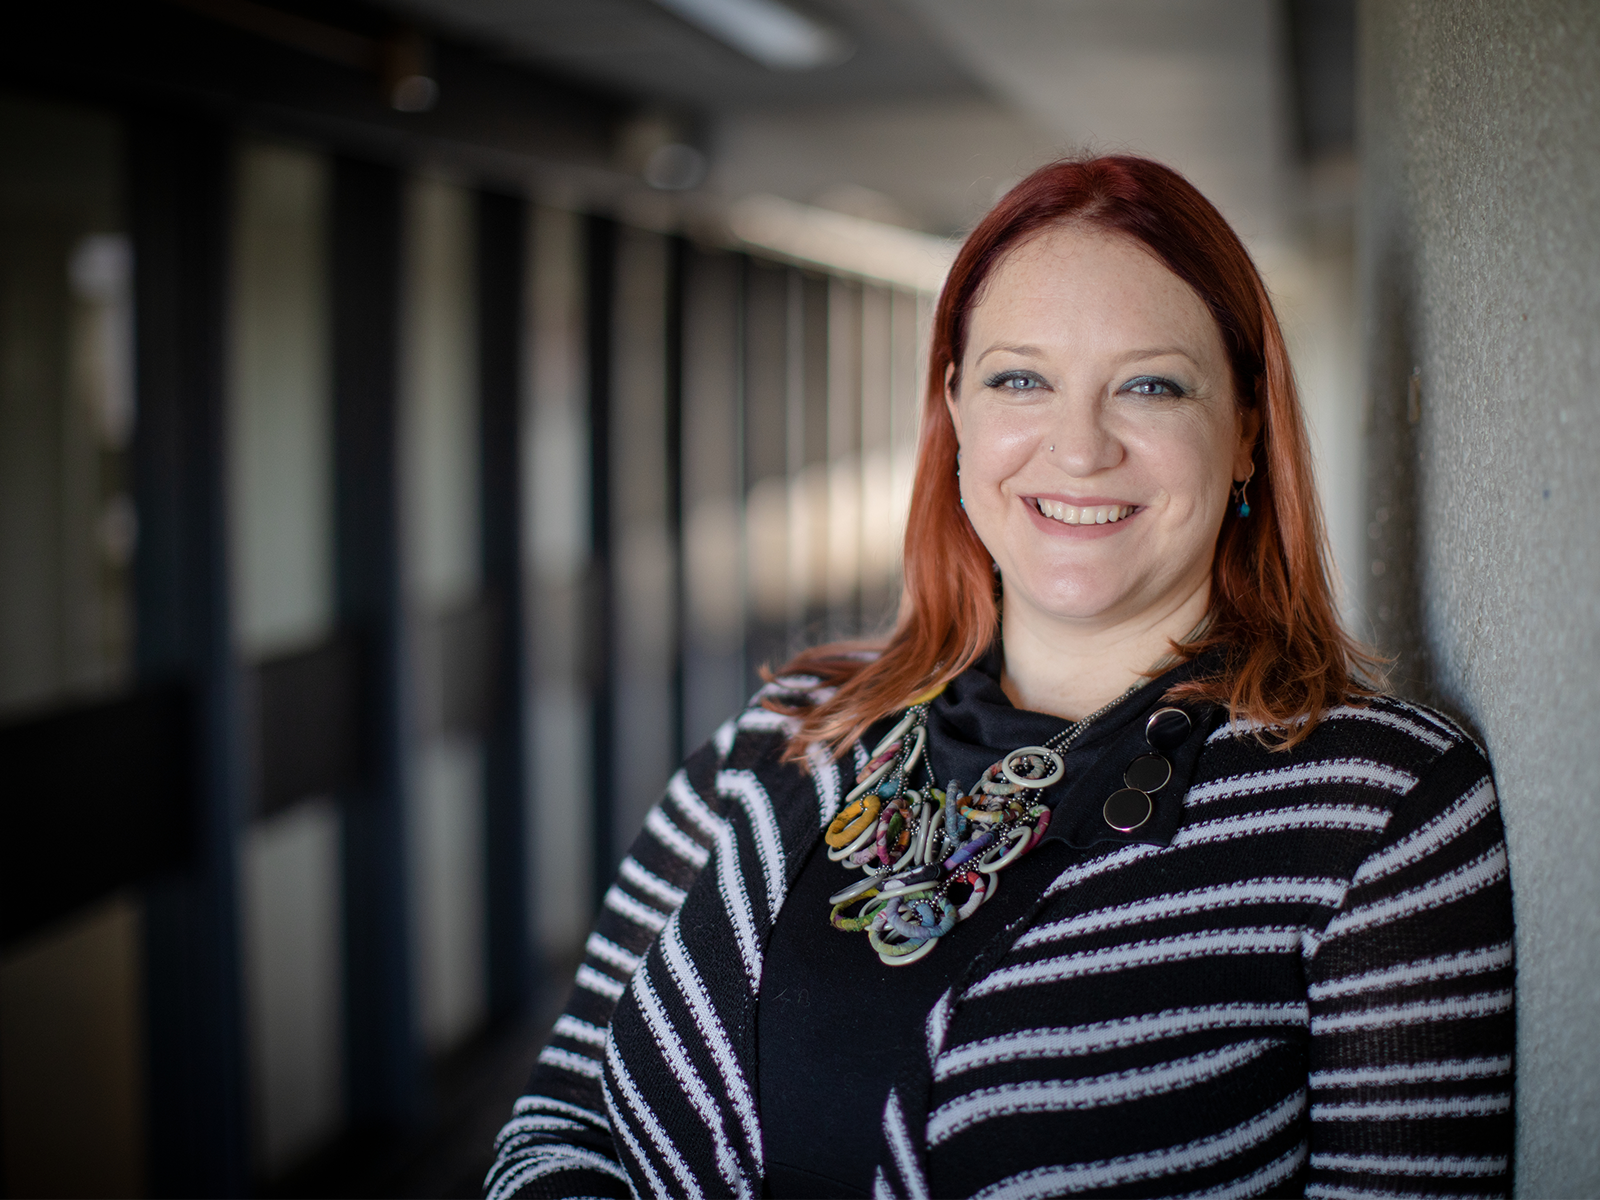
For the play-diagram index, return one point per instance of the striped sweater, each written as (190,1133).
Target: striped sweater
(1307,990)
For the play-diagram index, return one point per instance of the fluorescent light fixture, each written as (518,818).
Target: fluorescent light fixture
(773,34)
(829,239)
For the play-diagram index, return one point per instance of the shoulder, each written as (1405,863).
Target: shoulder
(1399,748)
(1384,728)
(756,738)
(1384,781)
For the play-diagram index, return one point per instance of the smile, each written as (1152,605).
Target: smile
(1102,514)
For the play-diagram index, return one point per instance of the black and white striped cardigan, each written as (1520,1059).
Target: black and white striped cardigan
(1309,990)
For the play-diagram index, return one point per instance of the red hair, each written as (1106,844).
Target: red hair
(1285,656)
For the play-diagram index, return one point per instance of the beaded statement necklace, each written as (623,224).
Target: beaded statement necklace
(932,858)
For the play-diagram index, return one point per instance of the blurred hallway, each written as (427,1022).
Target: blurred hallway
(420,420)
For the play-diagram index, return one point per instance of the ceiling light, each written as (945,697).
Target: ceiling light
(832,239)
(773,34)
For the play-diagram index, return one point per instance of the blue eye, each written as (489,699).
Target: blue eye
(1153,385)
(1015,381)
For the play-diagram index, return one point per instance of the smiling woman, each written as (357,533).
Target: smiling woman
(1154,272)
(1254,936)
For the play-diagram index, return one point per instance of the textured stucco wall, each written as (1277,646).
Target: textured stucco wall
(1480,261)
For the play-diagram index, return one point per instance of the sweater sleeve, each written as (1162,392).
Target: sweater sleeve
(558,1141)
(1412,1011)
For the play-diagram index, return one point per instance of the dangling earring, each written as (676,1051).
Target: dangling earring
(1239,492)
(961,500)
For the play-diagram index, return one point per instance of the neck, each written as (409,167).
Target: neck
(1070,671)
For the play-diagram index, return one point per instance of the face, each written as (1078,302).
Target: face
(1099,432)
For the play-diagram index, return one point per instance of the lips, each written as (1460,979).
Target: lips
(1088,514)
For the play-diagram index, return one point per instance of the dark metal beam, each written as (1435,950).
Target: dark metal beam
(502,222)
(386,1078)
(600,263)
(677,281)
(178,200)
(97,797)
(1322,59)
(309,709)
(492,117)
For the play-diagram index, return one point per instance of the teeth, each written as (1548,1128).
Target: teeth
(1105,514)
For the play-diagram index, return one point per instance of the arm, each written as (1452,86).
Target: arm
(1412,1003)
(558,1141)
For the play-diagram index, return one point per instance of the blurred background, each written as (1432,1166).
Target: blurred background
(420,421)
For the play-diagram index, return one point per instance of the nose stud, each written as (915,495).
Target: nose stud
(1052,449)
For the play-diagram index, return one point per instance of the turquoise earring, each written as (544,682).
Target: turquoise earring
(1239,493)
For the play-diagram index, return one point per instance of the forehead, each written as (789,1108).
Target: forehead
(1072,280)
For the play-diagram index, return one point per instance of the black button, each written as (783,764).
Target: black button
(1127,810)
(1148,773)
(1167,728)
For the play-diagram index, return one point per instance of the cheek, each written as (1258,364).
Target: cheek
(993,448)
(1188,459)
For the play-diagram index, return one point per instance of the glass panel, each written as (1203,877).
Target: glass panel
(67,526)
(766,465)
(70,1019)
(69,998)
(281,489)
(880,545)
(439,495)
(294,980)
(844,460)
(642,559)
(807,398)
(280,414)
(439,388)
(910,314)
(557,529)
(713,575)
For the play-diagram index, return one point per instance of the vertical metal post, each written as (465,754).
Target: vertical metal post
(502,222)
(178,192)
(385,1071)
(600,266)
(677,260)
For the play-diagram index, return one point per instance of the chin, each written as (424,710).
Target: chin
(1083,601)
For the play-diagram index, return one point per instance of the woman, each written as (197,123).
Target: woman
(1107,873)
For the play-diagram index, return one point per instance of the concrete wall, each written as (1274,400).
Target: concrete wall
(1480,261)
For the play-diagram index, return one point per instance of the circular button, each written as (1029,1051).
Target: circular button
(1148,773)
(1167,728)
(1127,809)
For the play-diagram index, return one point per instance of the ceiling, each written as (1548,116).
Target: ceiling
(1199,84)
(945,103)
(640,49)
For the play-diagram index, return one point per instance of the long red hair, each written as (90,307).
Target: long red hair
(1285,656)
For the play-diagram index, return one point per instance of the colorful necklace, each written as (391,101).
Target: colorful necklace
(932,858)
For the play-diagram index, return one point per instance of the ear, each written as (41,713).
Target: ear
(950,404)
(1249,431)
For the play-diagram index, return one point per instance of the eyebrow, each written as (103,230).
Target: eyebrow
(1157,352)
(1026,351)
(1020,351)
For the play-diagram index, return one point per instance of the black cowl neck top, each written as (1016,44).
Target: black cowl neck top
(836,1025)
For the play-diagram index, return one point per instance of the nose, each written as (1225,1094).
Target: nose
(1079,443)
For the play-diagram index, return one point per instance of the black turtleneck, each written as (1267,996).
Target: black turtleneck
(835,1024)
